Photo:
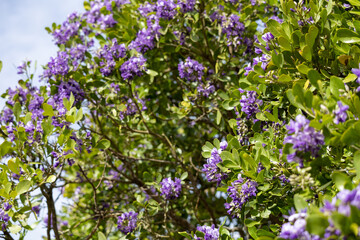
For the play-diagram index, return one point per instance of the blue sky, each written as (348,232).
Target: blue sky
(23,37)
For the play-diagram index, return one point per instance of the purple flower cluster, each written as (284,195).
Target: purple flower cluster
(135,66)
(210,233)
(241,191)
(127,222)
(249,103)
(206,90)
(58,65)
(212,171)
(191,70)
(145,40)
(22,68)
(3,215)
(68,29)
(109,54)
(187,5)
(263,59)
(295,228)
(340,113)
(166,9)
(303,138)
(64,91)
(94,15)
(170,189)
(7,116)
(233,29)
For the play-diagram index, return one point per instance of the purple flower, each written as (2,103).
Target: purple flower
(166,9)
(191,70)
(7,206)
(68,29)
(36,209)
(127,222)
(170,189)
(206,90)
(356,71)
(250,104)
(210,233)
(58,65)
(64,91)
(240,191)
(267,37)
(340,113)
(233,29)
(133,67)
(186,5)
(295,228)
(108,55)
(7,116)
(145,40)
(303,138)
(212,171)
(22,68)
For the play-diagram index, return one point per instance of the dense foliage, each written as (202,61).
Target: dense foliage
(189,119)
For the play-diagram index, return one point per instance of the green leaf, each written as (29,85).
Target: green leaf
(307,53)
(351,135)
(300,202)
(79,115)
(278,59)
(357,163)
(218,117)
(185,234)
(184,176)
(5,147)
(51,179)
(284,43)
(347,36)
(270,116)
(103,144)
(310,37)
(354,2)
(27,117)
(303,68)
(13,166)
(284,78)
(341,180)
(23,186)
(314,76)
(336,84)
(48,110)
(17,111)
(14,229)
(316,224)
(101,236)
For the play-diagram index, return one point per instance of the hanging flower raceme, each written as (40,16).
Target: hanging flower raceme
(240,191)
(191,70)
(108,56)
(210,233)
(340,113)
(295,228)
(233,29)
(186,5)
(68,29)
(304,139)
(135,66)
(249,103)
(166,9)
(212,171)
(170,189)
(127,222)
